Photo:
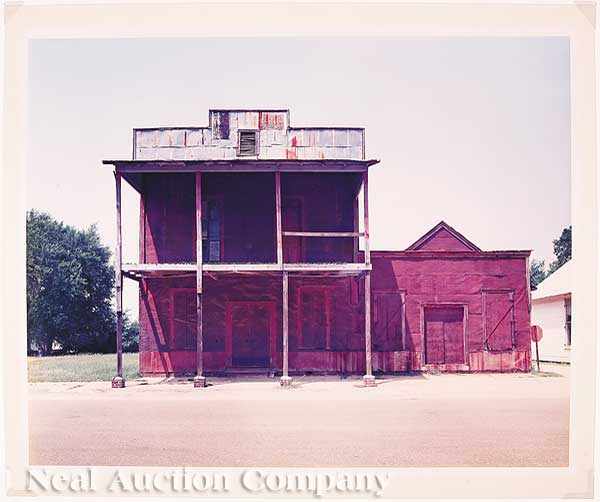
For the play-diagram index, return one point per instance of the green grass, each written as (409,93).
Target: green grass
(80,368)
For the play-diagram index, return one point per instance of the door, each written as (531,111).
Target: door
(444,334)
(499,316)
(250,332)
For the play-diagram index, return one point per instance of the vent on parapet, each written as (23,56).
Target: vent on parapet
(247,143)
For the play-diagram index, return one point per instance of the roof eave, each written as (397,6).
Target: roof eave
(241,165)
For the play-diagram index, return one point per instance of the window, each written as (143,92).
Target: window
(247,143)
(568,321)
(212,217)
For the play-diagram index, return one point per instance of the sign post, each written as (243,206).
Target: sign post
(536,336)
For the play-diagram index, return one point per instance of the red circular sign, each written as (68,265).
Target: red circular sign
(536,333)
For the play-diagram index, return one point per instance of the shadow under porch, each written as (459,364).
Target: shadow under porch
(242,324)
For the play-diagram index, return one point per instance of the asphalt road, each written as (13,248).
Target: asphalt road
(444,420)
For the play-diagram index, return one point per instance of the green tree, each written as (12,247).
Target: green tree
(537,272)
(562,250)
(131,334)
(69,287)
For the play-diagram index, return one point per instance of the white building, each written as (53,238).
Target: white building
(551,310)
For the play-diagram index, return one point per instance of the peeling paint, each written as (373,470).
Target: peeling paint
(277,140)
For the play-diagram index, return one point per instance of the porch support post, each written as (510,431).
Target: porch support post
(279,236)
(368,378)
(199,379)
(285,378)
(118,382)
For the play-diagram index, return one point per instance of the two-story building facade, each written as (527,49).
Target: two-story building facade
(254,256)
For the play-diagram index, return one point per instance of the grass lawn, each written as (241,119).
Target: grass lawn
(80,368)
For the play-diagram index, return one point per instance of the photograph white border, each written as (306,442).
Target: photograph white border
(390,19)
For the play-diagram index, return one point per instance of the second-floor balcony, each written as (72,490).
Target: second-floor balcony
(319,219)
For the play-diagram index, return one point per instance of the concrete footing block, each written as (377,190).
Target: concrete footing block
(199,381)
(118,382)
(369,381)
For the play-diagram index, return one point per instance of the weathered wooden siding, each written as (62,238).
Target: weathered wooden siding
(332,329)
(327,315)
(483,285)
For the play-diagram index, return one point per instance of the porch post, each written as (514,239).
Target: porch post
(285,378)
(279,236)
(199,379)
(118,382)
(368,378)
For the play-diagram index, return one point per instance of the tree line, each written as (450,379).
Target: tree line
(70,284)
(562,254)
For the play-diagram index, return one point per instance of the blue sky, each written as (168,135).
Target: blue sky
(474,131)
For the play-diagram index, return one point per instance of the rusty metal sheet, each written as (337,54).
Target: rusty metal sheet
(165,153)
(146,153)
(325,137)
(355,138)
(193,137)
(273,152)
(146,138)
(356,152)
(219,123)
(246,120)
(171,137)
(177,153)
(295,138)
(276,140)
(340,137)
(272,120)
(207,136)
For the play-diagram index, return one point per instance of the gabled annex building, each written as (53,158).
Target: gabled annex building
(254,257)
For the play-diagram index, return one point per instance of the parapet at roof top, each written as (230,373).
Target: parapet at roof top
(249,134)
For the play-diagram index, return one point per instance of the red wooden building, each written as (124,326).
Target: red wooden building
(249,260)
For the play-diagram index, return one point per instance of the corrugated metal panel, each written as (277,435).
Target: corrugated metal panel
(246,120)
(272,120)
(171,137)
(146,138)
(355,138)
(146,153)
(340,137)
(193,137)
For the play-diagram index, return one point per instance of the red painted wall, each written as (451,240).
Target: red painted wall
(326,322)
(433,307)
(482,284)
(326,317)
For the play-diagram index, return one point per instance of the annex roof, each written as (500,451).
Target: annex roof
(443,237)
(558,283)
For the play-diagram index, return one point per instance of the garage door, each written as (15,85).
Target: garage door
(444,335)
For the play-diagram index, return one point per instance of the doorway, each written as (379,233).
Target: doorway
(250,330)
(444,328)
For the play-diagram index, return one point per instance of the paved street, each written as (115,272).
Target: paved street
(413,421)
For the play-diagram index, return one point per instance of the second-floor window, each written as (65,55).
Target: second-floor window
(212,230)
